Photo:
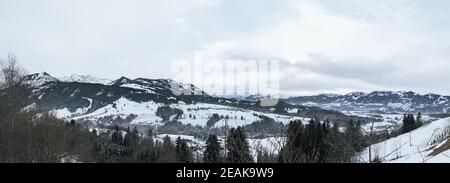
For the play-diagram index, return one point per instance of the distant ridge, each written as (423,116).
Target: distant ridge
(385,101)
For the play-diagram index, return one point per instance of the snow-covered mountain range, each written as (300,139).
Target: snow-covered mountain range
(378,101)
(136,101)
(253,98)
(84,79)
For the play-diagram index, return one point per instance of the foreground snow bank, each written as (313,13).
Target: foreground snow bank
(414,147)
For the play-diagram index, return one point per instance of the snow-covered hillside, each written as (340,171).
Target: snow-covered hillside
(122,108)
(193,114)
(387,122)
(157,86)
(428,144)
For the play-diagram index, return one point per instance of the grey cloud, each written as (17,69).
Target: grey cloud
(142,38)
(351,69)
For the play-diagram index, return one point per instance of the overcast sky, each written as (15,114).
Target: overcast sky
(325,46)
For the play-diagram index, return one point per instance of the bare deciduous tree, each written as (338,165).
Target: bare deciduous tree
(11,73)
(13,89)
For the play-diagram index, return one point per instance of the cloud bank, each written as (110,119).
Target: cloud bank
(325,46)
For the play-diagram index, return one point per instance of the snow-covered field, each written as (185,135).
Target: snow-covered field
(237,116)
(65,113)
(414,147)
(193,114)
(122,108)
(389,122)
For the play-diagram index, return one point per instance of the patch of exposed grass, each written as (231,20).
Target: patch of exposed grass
(444,147)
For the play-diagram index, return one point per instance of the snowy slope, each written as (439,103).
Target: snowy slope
(203,112)
(418,146)
(237,116)
(146,113)
(387,122)
(66,113)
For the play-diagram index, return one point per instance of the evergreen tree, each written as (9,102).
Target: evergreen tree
(238,149)
(349,132)
(150,133)
(359,138)
(213,120)
(73,122)
(263,156)
(306,144)
(131,142)
(128,139)
(354,136)
(94,132)
(212,150)
(409,123)
(131,137)
(419,121)
(405,126)
(135,133)
(116,136)
(338,151)
(292,152)
(147,152)
(167,151)
(150,144)
(182,151)
(324,148)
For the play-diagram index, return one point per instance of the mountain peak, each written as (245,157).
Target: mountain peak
(122,80)
(356,94)
(39,79)
(84,79)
